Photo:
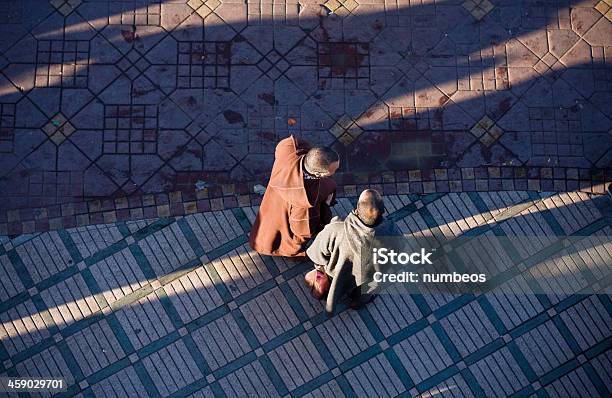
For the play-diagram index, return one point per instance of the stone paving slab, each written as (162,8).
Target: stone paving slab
(181,306)
(108,106)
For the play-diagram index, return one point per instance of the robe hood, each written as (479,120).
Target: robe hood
(289,182)
(358,235)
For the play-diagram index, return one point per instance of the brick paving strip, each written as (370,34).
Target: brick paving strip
(228,196)
(180,305)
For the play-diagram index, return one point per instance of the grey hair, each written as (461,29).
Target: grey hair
(318,160)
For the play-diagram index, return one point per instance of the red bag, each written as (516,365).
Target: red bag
(318,283)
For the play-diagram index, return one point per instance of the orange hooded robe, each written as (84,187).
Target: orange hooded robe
(292,210)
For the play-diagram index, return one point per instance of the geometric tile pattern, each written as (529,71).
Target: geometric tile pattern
(478,8)
(603,7)
(58,129)
(65,7)
(130,129)
(486,131)
(204,8)
(184,329)
(62,63)
(346,130)
(204,65)
(135,12)
(343,65)
(212,85)
(341,8)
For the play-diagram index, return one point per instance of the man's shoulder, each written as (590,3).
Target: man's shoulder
(336,224)
(291,146)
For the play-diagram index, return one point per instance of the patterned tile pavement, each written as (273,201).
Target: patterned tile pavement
(109,106)
(180,306)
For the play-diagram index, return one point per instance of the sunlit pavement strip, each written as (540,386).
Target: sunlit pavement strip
(181,306)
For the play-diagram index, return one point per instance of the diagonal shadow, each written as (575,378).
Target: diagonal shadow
(398,90)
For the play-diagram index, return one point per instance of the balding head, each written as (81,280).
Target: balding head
(370,207)
(321,161)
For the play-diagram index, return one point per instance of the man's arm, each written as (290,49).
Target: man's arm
(319,251)
(328,186)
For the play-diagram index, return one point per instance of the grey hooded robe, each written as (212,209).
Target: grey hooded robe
(344,249)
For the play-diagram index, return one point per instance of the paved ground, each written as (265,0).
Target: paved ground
(110,99)
(181,306)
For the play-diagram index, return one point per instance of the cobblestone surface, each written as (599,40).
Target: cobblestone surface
(116,100)
(180,306)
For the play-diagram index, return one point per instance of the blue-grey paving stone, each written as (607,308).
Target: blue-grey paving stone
(167,249)
(596,252)
(11,284)
(589,322)
(46,363)
(69,301)
(269,315)
(345,335)
(171,368)
(454,387)
(375,377)
(331,389)
(249,381)
(214,228)
(124,383)
(498,374)
(93,238)
(546,274)
(514,302)
(446,215)
(415,225)
(193,295)
(571,212)
(393,313)
(602,365)
(544,348)
(136,225)
(22,327)
(344,207)
(489,259)
(44,256)
(497,202)
(311,307)
(95,347)
(425,353)
(206,392)
(145,321)
(118,275)
(202,230)
(466,209)
(437,300)
(297,361)
(528,247)
(241,270)
(574,384)
(469,329)
(221,342)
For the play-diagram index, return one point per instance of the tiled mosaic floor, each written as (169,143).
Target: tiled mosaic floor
(181,307)
(102,100)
